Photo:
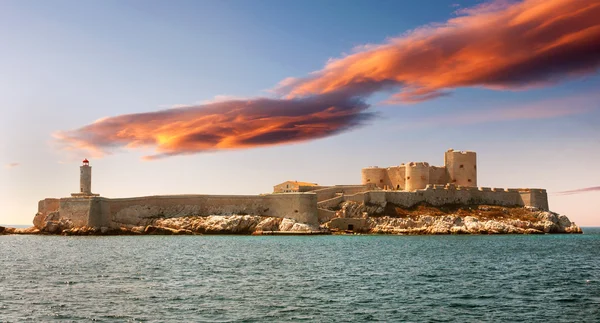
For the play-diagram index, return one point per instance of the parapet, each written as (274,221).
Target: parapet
(463,152)
(418,164)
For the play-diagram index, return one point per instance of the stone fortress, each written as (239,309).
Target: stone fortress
(405,186)
(460,169)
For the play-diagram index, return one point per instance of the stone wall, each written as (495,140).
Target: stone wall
(46,206)
(99,211)
(439,195)
(332,191)
(75,209)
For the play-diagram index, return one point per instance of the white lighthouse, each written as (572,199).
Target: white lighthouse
(85,180)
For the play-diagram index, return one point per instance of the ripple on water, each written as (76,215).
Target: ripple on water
(325,278)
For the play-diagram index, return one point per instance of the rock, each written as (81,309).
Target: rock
(39,220)
(30,230)
(137,230)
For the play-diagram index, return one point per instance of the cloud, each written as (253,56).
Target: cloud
(12,165)
(581,190)
(222,125)
(496,45)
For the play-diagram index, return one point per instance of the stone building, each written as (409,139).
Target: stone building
(293,186)
(460,168)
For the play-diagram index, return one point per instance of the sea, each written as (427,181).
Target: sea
(350,278)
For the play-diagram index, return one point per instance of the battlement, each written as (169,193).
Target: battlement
(460,168)
(462,152)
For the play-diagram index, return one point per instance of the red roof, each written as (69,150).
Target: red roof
(86,161)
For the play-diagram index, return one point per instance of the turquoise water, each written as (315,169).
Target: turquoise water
(301,278)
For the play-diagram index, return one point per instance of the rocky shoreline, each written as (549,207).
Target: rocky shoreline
(361,218)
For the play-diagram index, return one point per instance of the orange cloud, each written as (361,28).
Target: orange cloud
(222,125)
(497,45)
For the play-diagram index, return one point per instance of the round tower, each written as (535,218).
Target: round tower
(85,178)
(374,175)
(461,167)
(417,175)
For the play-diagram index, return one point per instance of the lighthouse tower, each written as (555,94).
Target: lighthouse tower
(85,180)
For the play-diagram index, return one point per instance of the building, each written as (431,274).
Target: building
(404,186)
(460,169)
(293,186)
(85,180)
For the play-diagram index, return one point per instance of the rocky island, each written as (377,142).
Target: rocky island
(413,198)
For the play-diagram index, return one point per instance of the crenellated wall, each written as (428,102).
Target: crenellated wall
(460,168)
(439,195)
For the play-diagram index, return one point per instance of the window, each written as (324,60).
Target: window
(350,227)
(469,180)
(398,187)
(380,181)
(461,166)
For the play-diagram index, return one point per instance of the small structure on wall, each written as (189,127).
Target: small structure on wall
(85,180)
(460,169)
(292,186)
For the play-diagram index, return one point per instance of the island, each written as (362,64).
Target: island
(411,198)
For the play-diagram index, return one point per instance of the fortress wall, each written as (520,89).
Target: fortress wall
(99,212)
(332,202)
(375,175)
(396,175)
(362,197)
(330,192)
(376,197)
(302,188)
(535,197)
(75,209)
(301,207)
(439,197)
(46,206)
(325,215)
(438,175)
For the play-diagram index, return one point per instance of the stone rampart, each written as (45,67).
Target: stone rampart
(439,195)
(330,192)
(75,209)
(46,206)
(332,202)
(99,211)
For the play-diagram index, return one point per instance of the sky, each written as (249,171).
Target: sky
(233,97)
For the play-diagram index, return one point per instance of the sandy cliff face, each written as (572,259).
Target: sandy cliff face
(388,219)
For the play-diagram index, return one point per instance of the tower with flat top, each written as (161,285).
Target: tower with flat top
(85,180)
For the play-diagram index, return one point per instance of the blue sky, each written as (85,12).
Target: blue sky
(65,64)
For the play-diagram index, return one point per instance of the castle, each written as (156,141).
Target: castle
(460,168)
(405,185)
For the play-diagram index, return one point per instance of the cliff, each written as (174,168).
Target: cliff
(346,217)
(386,218)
